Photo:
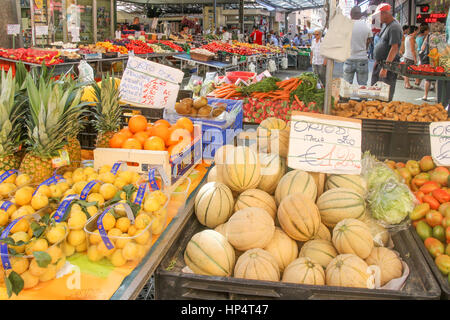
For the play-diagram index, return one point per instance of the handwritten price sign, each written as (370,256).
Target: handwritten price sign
(322,143)
(440,142)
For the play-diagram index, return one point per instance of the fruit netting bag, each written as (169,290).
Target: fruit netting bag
(389,199)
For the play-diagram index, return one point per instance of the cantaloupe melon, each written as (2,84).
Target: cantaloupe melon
(296,181)
(348,270)
(353,236)
(319,179)
(213,176)
(389,263)
(273,168)
(319,251)
(256,198)
(339,204)
(283,248)
(241,170)
(379,233)
(222,229)
(324,233)
(348,181)
(304,271)
(273,136)
(250,228)
(299,217)
(257,264)
(214,204)
(209,253)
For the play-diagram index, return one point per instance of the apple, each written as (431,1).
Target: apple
(413,167)
(390,164)
(426,163)
(399,165)
(423,176)
(405,174)
(440,175)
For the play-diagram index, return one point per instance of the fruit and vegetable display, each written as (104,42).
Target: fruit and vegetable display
(243,49)
(200,108)
(39,56)
(431,216)
(263,222)
(394,110)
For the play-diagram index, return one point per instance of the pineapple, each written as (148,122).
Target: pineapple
(107,110)
(51,120)
(10,128)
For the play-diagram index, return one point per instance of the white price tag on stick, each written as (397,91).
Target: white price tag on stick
(440,142)
(323,143)
(13,29)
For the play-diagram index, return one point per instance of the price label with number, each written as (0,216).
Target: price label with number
(440,142)
(322,143)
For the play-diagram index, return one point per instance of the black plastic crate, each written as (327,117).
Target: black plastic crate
(396,140)
(441,279)
(171,283)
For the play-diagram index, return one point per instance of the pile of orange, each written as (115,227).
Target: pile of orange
(157,136)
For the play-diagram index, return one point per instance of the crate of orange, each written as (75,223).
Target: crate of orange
(177,147)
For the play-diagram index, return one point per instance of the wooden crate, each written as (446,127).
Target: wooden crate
(175,167)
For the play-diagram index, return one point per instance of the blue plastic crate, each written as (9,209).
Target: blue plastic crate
(216,133)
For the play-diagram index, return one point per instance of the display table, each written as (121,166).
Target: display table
(221,67)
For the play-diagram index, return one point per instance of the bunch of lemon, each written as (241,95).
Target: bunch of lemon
(9,185)
(24,262)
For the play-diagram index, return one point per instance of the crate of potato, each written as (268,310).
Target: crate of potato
(394,110)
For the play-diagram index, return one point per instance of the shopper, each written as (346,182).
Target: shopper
(387,48)
(273,40)
(405,31)
(226,36)
(318,62)
(424,59)
(423,31)
(296,41)
(257,36)
(358,62)
(410,55)
(136,25)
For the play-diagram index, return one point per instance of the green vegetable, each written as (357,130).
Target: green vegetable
(265,85)
(380,173)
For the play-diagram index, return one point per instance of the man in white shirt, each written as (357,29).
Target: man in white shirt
(358,62)
(318,62)
(226,36)
(273,39)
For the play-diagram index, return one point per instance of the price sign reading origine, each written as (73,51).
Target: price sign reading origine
(149,84)
(440,142)
(322,143)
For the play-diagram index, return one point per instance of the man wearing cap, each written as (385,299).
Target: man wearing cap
(387,48)
(358,62)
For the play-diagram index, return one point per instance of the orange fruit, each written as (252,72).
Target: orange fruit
(132,143)
(126,131)
(177,135)
(141,136)
(137,123)
(185,123)
(160,130)
(149,129)
(175,149)
(165,122)
(155,143)
(117,140)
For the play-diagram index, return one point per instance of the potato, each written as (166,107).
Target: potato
(200,102)
(182,108)
(204,111)
(188,101)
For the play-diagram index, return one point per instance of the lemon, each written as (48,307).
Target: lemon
(93,254)
(142,221)
(35,270)
(55,191)
(19,265)
(151,204)
(68,249)
(108,221)
(10,179)
(143,237)
(55,253)
(123,195)
(23,179)
(76,237)
(117,258)
(61,262)
(49,274)
(79,186)
(130,251)
(63,186)
(29,209)
(120,183)
(120,209)
(6,189)
(77,220)
(120,243)
(141,251)
(78,171)
(135,177)
(133,196)
(96,197)
(107,177)
(45,190)
(123,224)
(75,208)
(11,208)
(157,226)
(105,168)
(29,281)
(39,201)
(36,245)
(20,236)
(160,196)
(104,251)
(22,225)
(3,217)
(69,181)
(78,176)
(23,196)
(68,192)
(92,210)
(114,232)
(132,230)
(126,175)
(93,176)
(67,174)
(108,191)
(95,238)
(56,234)
(81,247)
(88,171)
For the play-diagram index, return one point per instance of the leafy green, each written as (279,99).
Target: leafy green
(265,85)
(14,284)
(43,259)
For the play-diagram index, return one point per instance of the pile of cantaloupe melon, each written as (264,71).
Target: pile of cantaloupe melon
(265,223)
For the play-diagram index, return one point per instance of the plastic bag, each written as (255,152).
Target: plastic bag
(336,44)
(284,63)
(252,67)
(194,84)
(389,199)
(208,83)
(86,72)
(272,66)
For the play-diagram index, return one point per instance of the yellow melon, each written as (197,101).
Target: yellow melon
(353,236)
(348,270)
(319,251)
(257,264)
(213,204)
(273,168)
(296,181)
(256,198)
(304,271)
(283,248)
(388,262)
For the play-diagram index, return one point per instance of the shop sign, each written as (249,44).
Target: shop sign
(440,142)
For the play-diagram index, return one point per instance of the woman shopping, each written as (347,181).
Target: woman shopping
(410,55)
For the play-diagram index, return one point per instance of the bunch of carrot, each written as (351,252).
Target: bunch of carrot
(227,91)
(286,87)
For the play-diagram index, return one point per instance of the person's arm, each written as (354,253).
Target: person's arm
(391,56)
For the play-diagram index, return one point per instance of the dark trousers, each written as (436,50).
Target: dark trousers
(391,79)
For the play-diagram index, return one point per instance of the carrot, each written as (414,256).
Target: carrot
(298,100)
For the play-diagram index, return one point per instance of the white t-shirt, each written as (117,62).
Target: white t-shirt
(315,49)
(226,36)
(361,32)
